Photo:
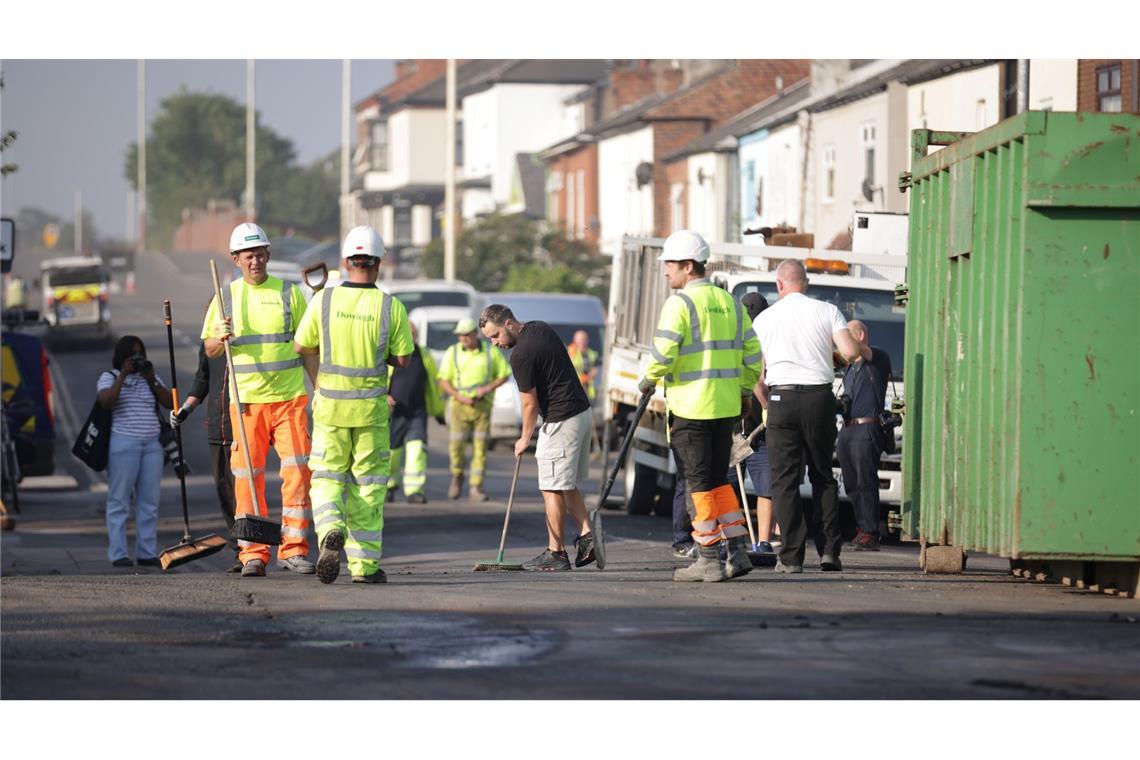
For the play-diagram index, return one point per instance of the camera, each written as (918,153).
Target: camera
(843,406)
(142,365)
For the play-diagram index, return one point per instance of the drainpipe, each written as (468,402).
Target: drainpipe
(732,207)
(1136,85)
(1022,85)
(805,139)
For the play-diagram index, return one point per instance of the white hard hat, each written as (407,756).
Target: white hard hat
(362,241)
(247,235)
(685,245)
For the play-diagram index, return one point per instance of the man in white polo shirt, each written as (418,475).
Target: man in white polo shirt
(796,337)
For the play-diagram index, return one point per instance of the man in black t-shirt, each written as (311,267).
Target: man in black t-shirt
(861,441)
(548,385)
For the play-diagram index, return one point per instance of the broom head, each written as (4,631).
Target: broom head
(257,530)
(188,551)
(492,567)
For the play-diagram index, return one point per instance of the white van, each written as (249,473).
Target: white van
(435,327)
(566,313)
(415,294)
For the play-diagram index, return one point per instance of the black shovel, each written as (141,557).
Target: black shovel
(596,515)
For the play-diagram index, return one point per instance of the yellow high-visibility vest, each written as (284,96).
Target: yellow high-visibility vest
(264,319)
(704,351)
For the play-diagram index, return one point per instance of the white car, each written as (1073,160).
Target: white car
(435,327)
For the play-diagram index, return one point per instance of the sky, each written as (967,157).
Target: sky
(76,119)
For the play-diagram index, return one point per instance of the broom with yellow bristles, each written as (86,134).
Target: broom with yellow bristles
(188,549)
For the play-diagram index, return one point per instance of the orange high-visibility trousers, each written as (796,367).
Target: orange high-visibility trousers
(284,426)
(718,516)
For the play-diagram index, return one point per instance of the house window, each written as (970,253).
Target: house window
(570,204)
(869,154)
(981,115)
(379,157)
(553,186)
(581,203)
(1108,88)
(749,174)
(403,225)
(829,173)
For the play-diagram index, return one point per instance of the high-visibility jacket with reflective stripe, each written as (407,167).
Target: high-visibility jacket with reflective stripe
(583,363)
(467,370)
(357,329)
(706,351)
(264,316)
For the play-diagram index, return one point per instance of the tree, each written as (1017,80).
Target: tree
(196,153)
(515,253)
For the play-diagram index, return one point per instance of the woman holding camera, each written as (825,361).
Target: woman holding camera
(133,392)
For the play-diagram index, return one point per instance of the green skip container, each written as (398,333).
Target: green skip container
(1023,348)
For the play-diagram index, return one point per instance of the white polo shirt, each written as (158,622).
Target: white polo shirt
(796,338)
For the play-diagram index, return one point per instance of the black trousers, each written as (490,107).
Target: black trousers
(703,448)
(859,448)
(801,430)
(224,483)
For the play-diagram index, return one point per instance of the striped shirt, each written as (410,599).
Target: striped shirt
(134,413)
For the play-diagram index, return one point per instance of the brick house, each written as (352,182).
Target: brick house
(1108,85)
(635,192)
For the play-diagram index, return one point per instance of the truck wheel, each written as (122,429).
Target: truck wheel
(639,499)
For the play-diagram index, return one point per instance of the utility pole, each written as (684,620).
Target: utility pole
(449,187)
(345,139)
(140,237)
(78,222)
(250,144)
(1022,85)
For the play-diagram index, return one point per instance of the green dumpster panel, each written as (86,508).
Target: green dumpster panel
(1023,387)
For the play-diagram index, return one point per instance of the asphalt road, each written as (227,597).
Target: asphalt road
(73,627)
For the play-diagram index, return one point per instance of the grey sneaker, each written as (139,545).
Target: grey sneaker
(476,493)
(254,568)
(789,569)
(685,551)
(416,498)
(297,564)
(328,564)
(829,563)
(585,547)
(549,561)
(376,577)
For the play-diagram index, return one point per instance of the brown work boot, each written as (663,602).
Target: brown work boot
(456,486)
(477,494)
(708,568)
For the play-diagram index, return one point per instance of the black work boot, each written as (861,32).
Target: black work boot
(707,568)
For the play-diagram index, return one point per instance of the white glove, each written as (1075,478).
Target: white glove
(178,416)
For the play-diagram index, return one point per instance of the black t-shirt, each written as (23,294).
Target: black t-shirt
(866,383)
(540,363)
(407,387)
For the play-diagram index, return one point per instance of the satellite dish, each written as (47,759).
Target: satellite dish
(868,190)
(643,174)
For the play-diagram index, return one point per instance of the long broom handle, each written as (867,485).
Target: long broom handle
(234,391)
(744,503)
(166,317)
(510,502)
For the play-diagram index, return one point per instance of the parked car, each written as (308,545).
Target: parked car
(75,292)
(566,314)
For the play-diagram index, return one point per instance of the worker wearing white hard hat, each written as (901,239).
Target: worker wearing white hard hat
(350,336)
(709,360)
(263,313)
(470,372)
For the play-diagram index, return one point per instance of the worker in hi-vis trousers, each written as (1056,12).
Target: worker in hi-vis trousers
(471,371)
(349,337)
(262,314)
(413,396)
(710,359)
